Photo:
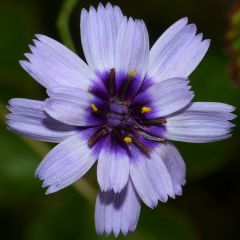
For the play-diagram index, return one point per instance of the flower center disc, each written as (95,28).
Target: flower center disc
(119,115)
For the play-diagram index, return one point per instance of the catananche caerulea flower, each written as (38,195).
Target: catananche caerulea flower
(120,110)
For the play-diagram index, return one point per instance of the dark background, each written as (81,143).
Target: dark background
(209,207)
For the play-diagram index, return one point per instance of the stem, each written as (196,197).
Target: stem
(63,22)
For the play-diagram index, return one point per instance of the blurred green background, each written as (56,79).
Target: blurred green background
(209,207)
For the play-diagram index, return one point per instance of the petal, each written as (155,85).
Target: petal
(113,167)
(177,52)
(166,37)
(166,97)
(175,165)
(29,119)
(52,65)
(201,122)
(151,179)
(72,106)
(117,211)
(98,34)
(66,163)
(132,51)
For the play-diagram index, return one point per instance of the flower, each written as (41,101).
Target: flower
(120,110)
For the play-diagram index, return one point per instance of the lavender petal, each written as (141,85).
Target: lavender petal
(72,106)
(175,165)
(113,167)
(28,118)
(98,34)
(151,179)
(166,97)
(132,51)
(65,164)
(177,52)
(201,122)
(53,65)
(117,212)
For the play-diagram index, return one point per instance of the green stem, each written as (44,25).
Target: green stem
(63,22)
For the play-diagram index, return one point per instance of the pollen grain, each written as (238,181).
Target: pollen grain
(132,73)
(146,110)
(127,139)
(94,107)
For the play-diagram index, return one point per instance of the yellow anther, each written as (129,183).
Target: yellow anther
(146,110)
(127,140)
(94,107)
(132,73)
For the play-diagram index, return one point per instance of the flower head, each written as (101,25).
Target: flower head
(120,110)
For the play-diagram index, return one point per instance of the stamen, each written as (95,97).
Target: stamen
(127,83)
(127,139)
(146,110)
(152,137)
(94,107)
(141,146)
(96,136)
(154,121)
(90,89)
(112,82)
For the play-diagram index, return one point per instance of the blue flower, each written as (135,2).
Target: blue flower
(120,110)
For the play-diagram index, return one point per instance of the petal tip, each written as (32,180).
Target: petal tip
(207,42)
(100,6)
(184,20)
(109,5)
(191,28)
(40,36)
(83,12)
(22,62)
(25,65)
(51,189)
(28,56)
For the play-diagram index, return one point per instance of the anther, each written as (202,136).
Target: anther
(90,89)
(96,136)
(146,110)
(127,83)
(112,82)
(127,139)
(94,107)
(141,146)
(132,73)
(154,121)
(152,137)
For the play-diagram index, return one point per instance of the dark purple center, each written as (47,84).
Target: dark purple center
(121,117)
